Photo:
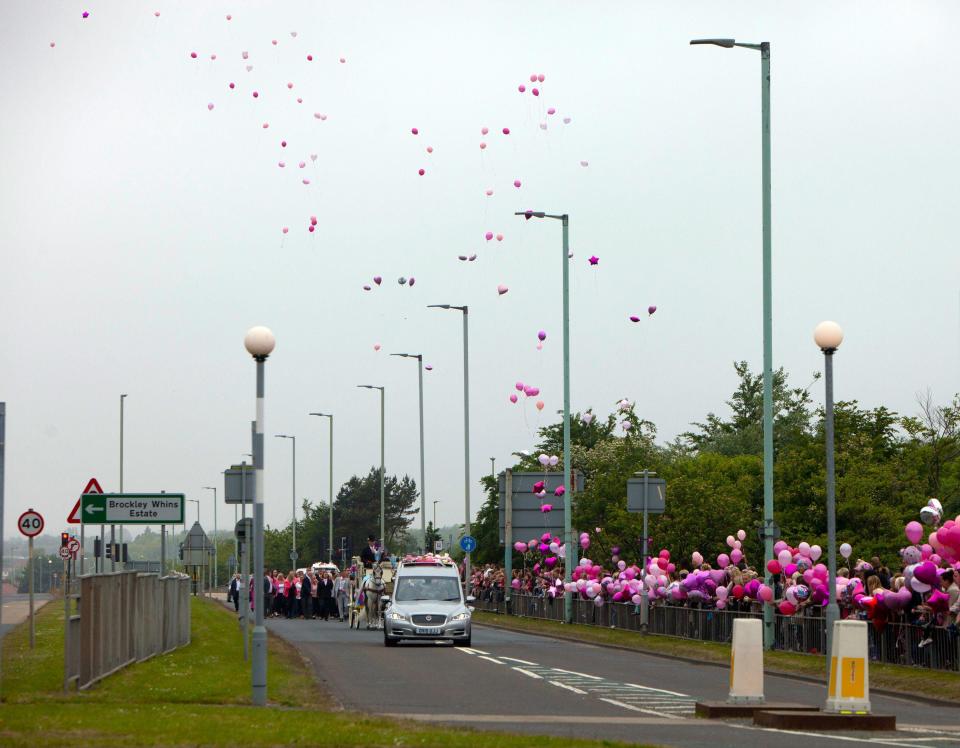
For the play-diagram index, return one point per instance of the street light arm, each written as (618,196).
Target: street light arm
(727,43)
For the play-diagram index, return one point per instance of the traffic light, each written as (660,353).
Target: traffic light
(64,539)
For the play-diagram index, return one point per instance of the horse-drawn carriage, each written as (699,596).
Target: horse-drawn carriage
(366,591)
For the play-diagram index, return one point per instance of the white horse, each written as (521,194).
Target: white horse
(373,590)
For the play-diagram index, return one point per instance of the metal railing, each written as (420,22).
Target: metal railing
(893,643)
(121,618)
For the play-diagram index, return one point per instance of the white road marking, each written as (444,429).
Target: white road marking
(824,735)
(574,672)
(514,659)
(564,685)
(471,650)
(632,708)
(667,705)
(657,690)
(527,672)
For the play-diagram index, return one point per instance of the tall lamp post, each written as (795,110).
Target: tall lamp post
(435,502)
(259,342)
(466,430)
(113,528)
(423,486)
(493,467)
(197,502)
(768,528)
(293,496)
(214,489)
(330,543)
(567,527)
(828,336)
(383,528)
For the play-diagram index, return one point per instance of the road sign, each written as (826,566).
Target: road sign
(239,483)
(293,556)
(468,543)
(132,508)
(244,529)
(73,545)
(438,545)
(64,553)
(528,518)
(655,498)
(92,487)
(30,523)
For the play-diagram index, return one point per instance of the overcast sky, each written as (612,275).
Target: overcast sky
(141,235)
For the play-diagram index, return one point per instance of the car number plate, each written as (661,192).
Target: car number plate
(435,630)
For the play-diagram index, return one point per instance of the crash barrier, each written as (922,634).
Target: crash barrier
(124,617)
(933,647)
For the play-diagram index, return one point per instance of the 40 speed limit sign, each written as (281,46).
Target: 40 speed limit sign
(30,523)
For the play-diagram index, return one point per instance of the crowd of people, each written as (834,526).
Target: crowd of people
(871,591)
(299,594)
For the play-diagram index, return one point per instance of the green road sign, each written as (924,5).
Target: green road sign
(132,508)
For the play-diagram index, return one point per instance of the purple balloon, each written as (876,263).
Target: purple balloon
(651,309)
(542,335)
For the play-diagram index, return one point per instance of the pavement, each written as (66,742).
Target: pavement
(16,609)
(523,683)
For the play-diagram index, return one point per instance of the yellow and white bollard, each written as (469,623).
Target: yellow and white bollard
(848,691)
(746,662)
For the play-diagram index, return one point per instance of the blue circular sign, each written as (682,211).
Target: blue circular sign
(468,543)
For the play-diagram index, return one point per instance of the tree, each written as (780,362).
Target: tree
(742,433)
(432,536)
(356,510)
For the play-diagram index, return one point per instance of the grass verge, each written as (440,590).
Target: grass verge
(199,695)
(935,684)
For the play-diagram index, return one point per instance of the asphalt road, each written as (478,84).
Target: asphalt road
(532,684)
(16,608)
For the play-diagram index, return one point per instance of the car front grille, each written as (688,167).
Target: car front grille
(429,619)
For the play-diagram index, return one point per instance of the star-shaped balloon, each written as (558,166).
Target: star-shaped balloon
(594,260)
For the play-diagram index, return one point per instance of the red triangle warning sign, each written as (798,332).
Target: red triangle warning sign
(93,486)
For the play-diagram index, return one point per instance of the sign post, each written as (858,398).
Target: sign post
(655,489)
(93,486)
(30,524)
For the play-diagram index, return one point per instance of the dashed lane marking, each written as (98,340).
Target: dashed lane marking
(528,673)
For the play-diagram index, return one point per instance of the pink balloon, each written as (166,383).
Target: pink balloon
(488,236)
(723,560)
(516,183)
(913,531)
(506,130)
(521,88)
(736,555)
(765,593)
(513,398)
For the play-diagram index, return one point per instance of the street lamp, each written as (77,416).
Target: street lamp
(768,524)
(466,430)
(293,496)
(259,342)
(828,337)
(197,502)
(383,529)
(567,527)
(435,502)
(493,467)
(330,416)
(113,528)
(423,489)
(214,489)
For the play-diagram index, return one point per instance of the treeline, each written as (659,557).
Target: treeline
(887,466)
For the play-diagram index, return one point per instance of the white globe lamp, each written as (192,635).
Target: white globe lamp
(259,341)
(828,336)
